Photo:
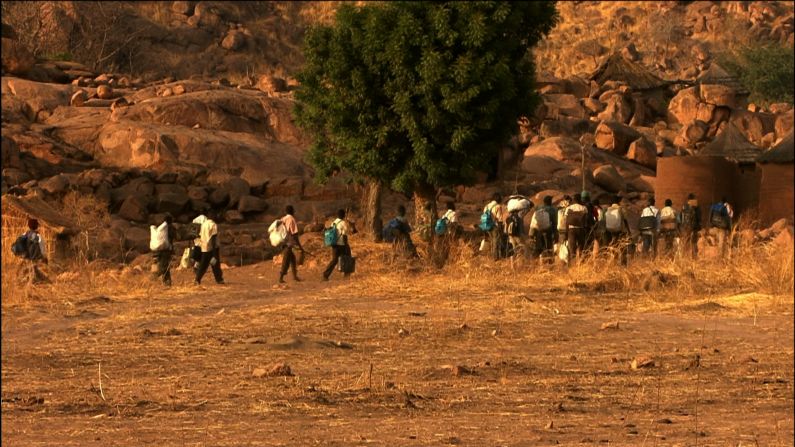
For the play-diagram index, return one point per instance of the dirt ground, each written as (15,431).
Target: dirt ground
(396,359)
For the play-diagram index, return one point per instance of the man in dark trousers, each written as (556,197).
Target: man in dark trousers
(288,256)
(341,248)
(164,255)
(211,251)
(690,225)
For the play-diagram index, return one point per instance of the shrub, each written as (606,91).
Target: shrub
(765,70)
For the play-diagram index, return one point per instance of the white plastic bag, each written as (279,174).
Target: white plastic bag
(277,232)
(518,203)
(184,263)
(483,245)
(563,252)
(158,237)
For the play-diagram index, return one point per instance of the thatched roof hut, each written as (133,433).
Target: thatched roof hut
(617,68)
(776,186)
(732,144)
(54,227)
(716,74)
(782,153)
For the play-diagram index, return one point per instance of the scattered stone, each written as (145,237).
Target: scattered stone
(550,425)
(461,370)
(610,325)
(403,332)
(79,98)
(275,370)
(642,362)
(105,92)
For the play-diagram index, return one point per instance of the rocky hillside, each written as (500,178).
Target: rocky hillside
(192,113)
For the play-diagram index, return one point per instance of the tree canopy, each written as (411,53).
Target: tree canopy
(418,95)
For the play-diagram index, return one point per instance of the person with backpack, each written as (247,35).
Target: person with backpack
(690,225)
(398,231)
(720,218)
(339,245)
(162,255)
(576,216)
(669,226)
(649,226)
(447,225)
(289,260)
(560,220)
(210,251)
(492,223)
(31,247)
(542,227)
(617,229)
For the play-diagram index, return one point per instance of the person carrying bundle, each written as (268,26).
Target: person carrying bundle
(210,251)
(162,246)
(617,229)
(542,227)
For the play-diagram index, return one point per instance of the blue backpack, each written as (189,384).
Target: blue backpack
(390,230)
(487,220)
(441,226)
(20,247)
(719,216)
(331,236)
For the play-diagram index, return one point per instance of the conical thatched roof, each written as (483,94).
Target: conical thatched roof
(782,153)
(732,144)
(38,209)
(716,74)
(617,68)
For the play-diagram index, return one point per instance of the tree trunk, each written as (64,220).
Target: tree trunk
(371,204)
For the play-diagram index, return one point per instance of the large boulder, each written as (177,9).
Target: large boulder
(219,197)
(16,58)
(237,188)
(784,124)
(251,204)
(285,187)
(55,185)
(643,152)
(615,137)
(136,238)
(135,208)
(234,40)
(140,186)
(10,153)
(617,108)
(718,94)
(607,177)
(541,166)
(684,106)
(564,104)
(642,183)
(38,96)
(172,202)
(271,84)
(557,148)
(566,127)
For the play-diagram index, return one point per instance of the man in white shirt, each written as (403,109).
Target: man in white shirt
(288,256)
(211,251)
(649,225)
(669,226)
(341,248)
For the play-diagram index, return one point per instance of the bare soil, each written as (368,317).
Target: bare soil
(396,359)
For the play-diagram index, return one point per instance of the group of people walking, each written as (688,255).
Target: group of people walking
(578,223)
(574,226)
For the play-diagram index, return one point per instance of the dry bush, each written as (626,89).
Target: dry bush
(90,216)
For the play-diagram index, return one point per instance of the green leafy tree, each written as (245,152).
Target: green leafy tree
(418,95)
(767,71)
